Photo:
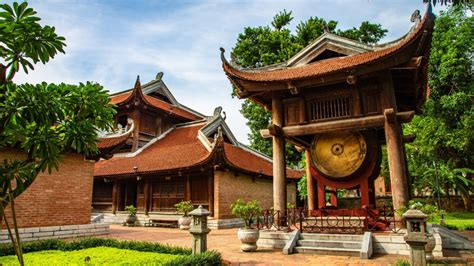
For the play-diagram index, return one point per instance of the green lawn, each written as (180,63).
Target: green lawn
(460,219)
(97,255)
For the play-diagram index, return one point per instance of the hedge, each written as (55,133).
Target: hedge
(207,258)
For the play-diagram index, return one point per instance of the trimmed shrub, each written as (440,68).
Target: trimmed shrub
(208,258)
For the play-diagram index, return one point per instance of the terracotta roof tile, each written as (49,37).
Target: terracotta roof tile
(157,103)
(327,66)
(106,143)
(251,162)
(179,149)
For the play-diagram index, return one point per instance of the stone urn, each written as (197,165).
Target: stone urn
(184,222)
(131,219)
(430,246)
(248,238)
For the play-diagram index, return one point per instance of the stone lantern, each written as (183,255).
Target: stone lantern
(416,236)
(199,229)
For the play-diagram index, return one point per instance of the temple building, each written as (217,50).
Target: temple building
(341,100)
(164,152)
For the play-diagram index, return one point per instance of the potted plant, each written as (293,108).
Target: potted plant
(184,207)
(132,215)
(248,212)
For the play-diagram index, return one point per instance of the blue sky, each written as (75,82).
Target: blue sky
(110,42)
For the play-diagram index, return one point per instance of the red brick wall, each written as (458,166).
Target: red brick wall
(62,198)
(228,188)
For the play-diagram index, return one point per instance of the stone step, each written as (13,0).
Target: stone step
(274,235)
(328,251)
(330,244)
(332,237)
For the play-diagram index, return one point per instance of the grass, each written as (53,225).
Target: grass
(97,255)
(460,220)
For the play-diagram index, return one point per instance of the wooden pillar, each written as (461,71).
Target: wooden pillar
(114,197)
(364,193)
(188,188)
(333,197)
(279,166)
(310,186)
(146,196)
(136,130)
(210,191)
(396,159)
(321,195)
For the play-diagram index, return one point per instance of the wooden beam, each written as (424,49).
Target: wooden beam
(349,124)
(409,138)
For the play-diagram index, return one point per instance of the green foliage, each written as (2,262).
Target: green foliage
(367,33)
(434,214)
(96,256)
(131,210)
(444,141)
(24,41)
(247,211)
(265,45)
(185,258)
(402,262)
(314,27)
(184,207)
(459,220)
(302,183)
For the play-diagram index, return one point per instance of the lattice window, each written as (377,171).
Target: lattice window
(330,108)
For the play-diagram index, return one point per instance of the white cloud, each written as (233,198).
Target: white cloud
(111,42)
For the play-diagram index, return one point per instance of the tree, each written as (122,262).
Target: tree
(444,131)
(265,45)
(44,121)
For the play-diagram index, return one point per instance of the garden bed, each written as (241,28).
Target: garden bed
(100,251)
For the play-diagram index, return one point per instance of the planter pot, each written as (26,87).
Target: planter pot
(184,222)
(248,238)
(430,247)
(131,219)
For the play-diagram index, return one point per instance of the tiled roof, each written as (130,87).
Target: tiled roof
(180,149)
(327,66)
(157,103)
(106,143)
(248,161)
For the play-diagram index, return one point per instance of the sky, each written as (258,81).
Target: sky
(113,41)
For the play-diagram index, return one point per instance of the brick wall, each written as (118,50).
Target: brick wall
(228,188)
(62,198)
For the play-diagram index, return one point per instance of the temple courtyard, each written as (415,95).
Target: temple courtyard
(226,242)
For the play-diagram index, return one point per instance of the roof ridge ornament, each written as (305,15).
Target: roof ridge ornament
(416,17)
(137,85)
(159,76)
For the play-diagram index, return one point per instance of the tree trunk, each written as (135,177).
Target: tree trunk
(466,202)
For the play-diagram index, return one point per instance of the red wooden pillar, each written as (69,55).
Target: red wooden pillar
(333,197)
(321,195)
(364,193)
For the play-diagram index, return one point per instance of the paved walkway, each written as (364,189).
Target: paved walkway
(226,242)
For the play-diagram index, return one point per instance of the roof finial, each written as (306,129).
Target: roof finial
(416,17)
(137,83)
(222,55)
(159,76)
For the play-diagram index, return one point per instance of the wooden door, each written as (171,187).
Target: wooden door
(166,192)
